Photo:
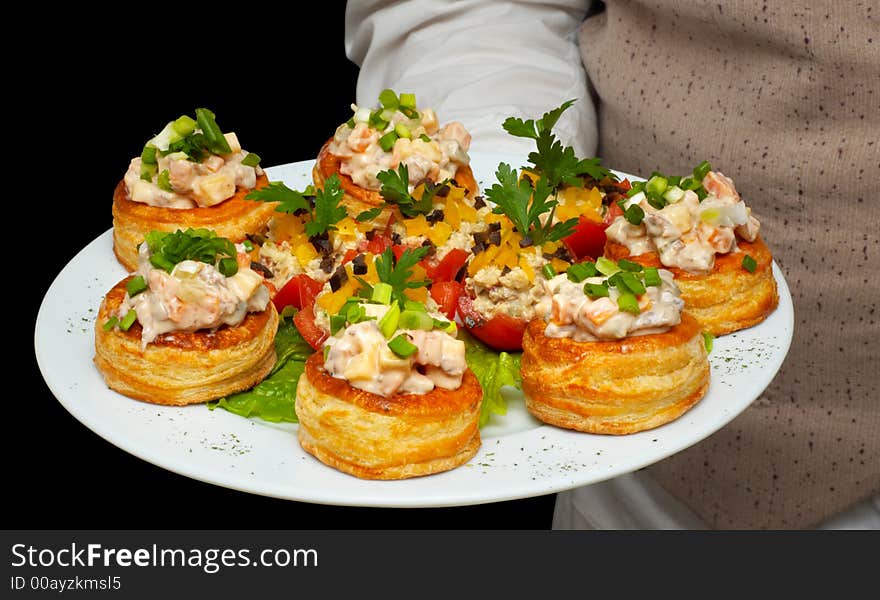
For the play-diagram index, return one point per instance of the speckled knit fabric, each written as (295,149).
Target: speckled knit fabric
(785,98)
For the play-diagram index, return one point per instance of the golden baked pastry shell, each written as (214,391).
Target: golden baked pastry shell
(373,437)
(180,368)
(234,219)
(726,299)
(358,199)
(614,387)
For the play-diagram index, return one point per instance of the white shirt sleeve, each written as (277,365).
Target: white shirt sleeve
(478,62)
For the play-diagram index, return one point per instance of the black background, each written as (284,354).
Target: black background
(87,94)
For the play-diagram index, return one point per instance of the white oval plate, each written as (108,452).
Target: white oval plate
(520,457)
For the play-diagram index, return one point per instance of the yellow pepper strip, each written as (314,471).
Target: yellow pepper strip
(527,269)
(284,227)
(439,233)
(416,226)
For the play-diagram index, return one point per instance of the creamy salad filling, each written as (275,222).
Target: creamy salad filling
(603,307)
(399,133)
(685,230)
(406,361)
(193,296)
(180,169)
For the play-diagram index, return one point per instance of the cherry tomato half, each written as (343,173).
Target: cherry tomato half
(501,332)
(588,239)
(448,268)
(299,292)
(305,323)
(445,294)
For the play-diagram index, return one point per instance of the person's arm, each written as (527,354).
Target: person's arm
(477,61)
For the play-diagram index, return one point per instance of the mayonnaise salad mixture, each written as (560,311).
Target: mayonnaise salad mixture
(684,230)
(610,306)
(388,351)
(194,295)
(399,133)
(191,164)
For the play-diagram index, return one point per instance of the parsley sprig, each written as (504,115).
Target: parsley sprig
(395,190)
(524,205)
(552,160)
(325,213)
(397,273)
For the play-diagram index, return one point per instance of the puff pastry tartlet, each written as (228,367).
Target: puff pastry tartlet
(397,133)
(186,335)
(617,363)
(391,396)
(708,238)
(189,175)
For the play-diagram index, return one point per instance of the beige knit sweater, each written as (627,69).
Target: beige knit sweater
(786,96)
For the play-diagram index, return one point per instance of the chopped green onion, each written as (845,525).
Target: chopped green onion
(673,194)
(548,271)
(111,323)
(711,215)
(409,113)
(382,293)
(673,181)
(388,323)
(414,319)
(628,265)
(688,183)
(387,114)
(632,282)
(213,136)
(355,314)
(288,311)
(656,200)
(627,302)
(388,99)
(248,246)
(148,171)
(416,306)
(402,130)
(749,263)
(148,155)
(701,170)
(184,126)
(606,266)
(128,320)
(376,120)
(634,214)
(228,266)
(652,276)
(337,322)
(350,123)
(135,286)
(160,262)
(580,271)
(446,326)
(701,193)
(326,352)
(402,347)
(387,140)
(708,341)
(408,100)
(251,160)
(656,185)
(596,290)
(164,181)
(424,138)
(637,186)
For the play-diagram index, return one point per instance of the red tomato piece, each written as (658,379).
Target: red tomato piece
(305,323)
(445,294)
(588,239)
(501,332)
(377,245)
(349,255)
(299,292)
(448,268)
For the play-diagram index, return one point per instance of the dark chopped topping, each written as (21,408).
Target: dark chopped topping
(563,254)
(310,200)
(301,211)
(262,269)
(338,279)
(443,191)
(321,242)
(525,242)
(432,249)
(481,238)
(547,256)
(505,270)
(435,216)
(479,202)
(370,235)
(256,238)
(477,248)
(495,238)
(454,183)
(395,238)
(495,226)
(327,264)
(359,265)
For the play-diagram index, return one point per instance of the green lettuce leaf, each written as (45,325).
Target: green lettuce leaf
(274,398)
(493,370)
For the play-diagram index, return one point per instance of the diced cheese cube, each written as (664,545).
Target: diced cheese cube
(214,189)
